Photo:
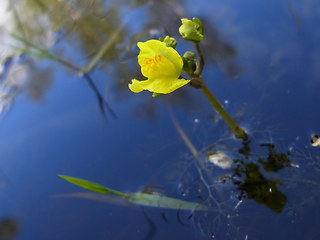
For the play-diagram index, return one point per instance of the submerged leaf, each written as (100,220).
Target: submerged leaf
(315,141)
(105,198)
(220,159)
(158,200)
(141,198)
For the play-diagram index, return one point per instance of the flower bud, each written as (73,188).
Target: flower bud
(189,62)
(191,30)
(169,41)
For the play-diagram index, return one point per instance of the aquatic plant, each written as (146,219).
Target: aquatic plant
(146,198)
(162,65)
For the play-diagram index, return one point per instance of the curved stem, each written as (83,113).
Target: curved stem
(200,63)
(235,128)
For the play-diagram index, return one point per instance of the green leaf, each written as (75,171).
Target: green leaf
(160,201)
(92,186)
(140,198)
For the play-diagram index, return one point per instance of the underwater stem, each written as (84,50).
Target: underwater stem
(236,130)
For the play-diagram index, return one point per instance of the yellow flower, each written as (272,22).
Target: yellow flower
(162,66)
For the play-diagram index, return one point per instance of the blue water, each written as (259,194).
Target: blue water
(262,63)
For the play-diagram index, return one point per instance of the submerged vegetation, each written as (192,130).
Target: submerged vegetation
(151,199)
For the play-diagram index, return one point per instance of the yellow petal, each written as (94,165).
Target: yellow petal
(158,66)
(162,66)
(135,86)
(152,48)
(158,85)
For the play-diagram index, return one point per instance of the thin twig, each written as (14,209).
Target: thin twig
(39,51)
(105,47)
(102,102)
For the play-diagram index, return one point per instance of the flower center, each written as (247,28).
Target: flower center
(151,66)
(157,66)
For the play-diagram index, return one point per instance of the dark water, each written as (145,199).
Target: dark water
(262,62)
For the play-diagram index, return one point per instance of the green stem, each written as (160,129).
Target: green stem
(200,63)
(236,130)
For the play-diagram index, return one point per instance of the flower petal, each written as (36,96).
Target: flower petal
(158,66)
(159,85)
(162,66)
(135,86)
(152,48)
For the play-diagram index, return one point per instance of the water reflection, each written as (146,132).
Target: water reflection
(107,32)
(9,228)
(94,35)
(243,177)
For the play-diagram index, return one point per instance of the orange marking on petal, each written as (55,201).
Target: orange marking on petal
(150,65)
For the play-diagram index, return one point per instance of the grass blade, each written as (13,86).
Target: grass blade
(92,186)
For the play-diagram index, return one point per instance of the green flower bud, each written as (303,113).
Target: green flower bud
(189,62)
(191,30)
(169,41)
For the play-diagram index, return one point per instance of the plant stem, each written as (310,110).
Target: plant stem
(197,82)
(236,130)
(200,63)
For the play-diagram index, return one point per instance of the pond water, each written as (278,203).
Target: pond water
(262,63)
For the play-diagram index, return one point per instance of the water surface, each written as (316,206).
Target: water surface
(262,62)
